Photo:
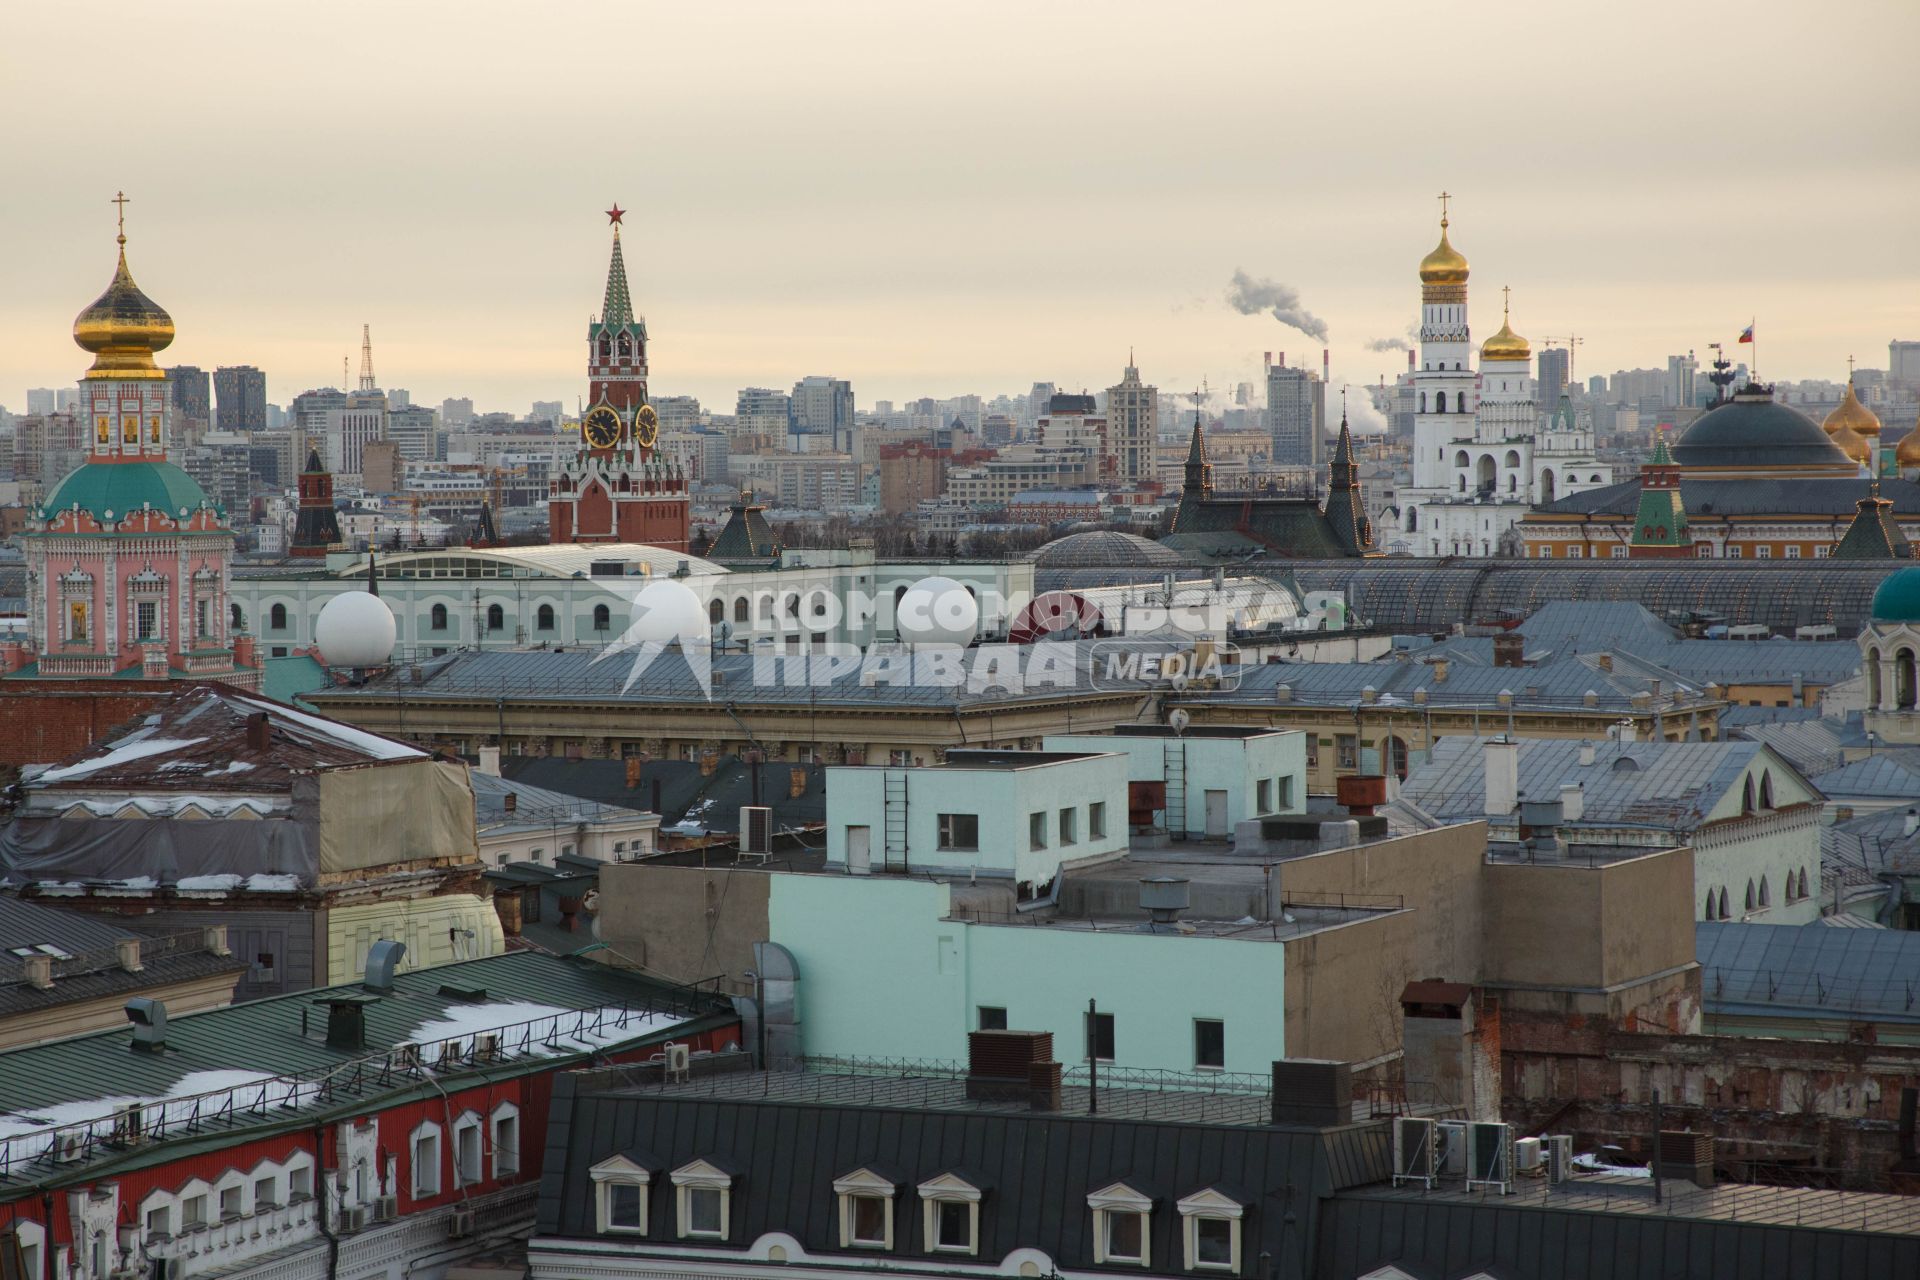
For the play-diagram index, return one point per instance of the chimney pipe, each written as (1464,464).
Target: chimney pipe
(489,761)
(39,972)
(127,951)
(1912,823)
(510,802)
(383,957)
(1326,365)
(1503,777)
(149,1019)
(259,731)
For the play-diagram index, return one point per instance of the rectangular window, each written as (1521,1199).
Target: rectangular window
(992,1018)
(1285,782)
(147,618)
(530,902)
(703,1212)
(200,616)
(1619,551)
(1793,551)
(193,1213)
(466,1154)
(426,1166)
(1213,1242)
(1037,830)
(1069,826)
(623,1206)
(1263,792)
(1574,553)
(1733,552)
(960,832)
(953,1225)
(869,1219)
(1124,1235)
(1209,1044)
(300,1184)
(1763,552)
(1097,820)
(229,1203)
(1347,746)
(266,1194)
(506,1146)
(159,1223)
(1099,1036)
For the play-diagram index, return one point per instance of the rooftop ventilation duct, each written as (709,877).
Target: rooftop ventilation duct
(1163,898)
(383,958)
(149,1019)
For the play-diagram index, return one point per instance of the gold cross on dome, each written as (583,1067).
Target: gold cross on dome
(120,198)
(1506,299)
(1444,197)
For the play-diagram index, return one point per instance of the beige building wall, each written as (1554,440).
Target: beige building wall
(686,924)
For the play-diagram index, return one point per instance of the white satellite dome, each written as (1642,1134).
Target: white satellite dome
(937,611)
(666,611)
(355,629)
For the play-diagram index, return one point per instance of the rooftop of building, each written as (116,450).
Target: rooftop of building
(537,808)
(267,1063)
(1572,683)
(86,960)
(692,795)
(553,560)
(1807,971)
(1834,498)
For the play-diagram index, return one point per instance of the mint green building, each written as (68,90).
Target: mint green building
(1216,776)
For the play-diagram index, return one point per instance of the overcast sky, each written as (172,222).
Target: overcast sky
(933,199)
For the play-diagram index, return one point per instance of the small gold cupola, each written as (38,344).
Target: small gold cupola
(123,328)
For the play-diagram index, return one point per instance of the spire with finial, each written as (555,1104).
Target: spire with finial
(617,309)
(123,328)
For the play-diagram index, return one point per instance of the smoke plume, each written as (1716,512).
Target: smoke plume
(1389,344)
(1250,297)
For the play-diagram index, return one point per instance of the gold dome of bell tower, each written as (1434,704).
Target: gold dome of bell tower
(1443,272)
(123,327)
(1852,415)
(1506,344)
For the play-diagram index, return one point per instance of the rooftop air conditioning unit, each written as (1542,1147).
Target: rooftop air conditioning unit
(756,831)
(1559,1151)
(449,1053)
(1413,1151)
(127,1125)
(486,1046)
(354,1219)
(1527,1155)
(164,1269)
(1450,1149)
(1490,1156)
(460,1223)
(407,1056)
(679,1061)
(386,1208)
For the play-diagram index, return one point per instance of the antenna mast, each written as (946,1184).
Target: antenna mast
(366,358)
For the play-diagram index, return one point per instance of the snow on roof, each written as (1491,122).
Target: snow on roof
(125,752)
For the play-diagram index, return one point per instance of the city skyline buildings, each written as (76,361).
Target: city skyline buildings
(486,214)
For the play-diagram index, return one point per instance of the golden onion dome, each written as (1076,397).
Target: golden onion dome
(1506,344)
(123,328)
(1445,265)
(1854,415)
(1907,452)
(1853,444)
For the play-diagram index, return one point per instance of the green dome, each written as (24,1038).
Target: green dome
(1898,599)
(109,490)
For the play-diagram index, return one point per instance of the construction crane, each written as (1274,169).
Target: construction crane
(1574,341)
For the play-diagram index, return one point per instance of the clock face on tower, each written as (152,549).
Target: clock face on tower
(601,427)
(646,426)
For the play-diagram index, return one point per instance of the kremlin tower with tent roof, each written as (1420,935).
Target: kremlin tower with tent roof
(128,560)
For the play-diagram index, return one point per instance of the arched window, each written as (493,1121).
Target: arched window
(606,349)
(1488,473)
(1593,479)
(742,610)
(716,611)
(602,617)
(1460,402)
(496,618)
(1413,519)
(1423,402)
(1463,484)
(1513,459)
(1873,679)
(1746,796)
(236,620)
(1513,483)
(1752,898)
(625,346)
(1766,789)
(1440,402)
(1712,912)
(1460,459)
(1766,894)
(793,606)
(1903,680)
(1726,912)
(277,618)
(543,618)
(1803,882)
(438,618)
(1546,485)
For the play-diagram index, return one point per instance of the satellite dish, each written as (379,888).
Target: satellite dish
(1180,683)
(1179,719)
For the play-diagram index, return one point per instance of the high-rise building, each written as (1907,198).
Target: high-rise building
(1903,362)
(1682,371)
(411,427)
(40,400)
(1133,425)
(192,397)
(762,411)
(677,413)
(550,411)
(1554,364)
(456,412)
(1296,417)
(240,398)
(824,406)
(1597,386)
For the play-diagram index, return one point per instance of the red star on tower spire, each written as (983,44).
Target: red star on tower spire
(615,214)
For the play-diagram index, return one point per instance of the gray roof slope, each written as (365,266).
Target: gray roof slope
(1889,774)
(1564,683)
(1039,1167)
(25,924)
(711,800)
(1793,969)
(1861,850)
(1798,733)
(538,807)
(1835,498)
(1670,786)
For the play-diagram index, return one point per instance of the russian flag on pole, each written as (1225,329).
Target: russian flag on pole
(1746,334)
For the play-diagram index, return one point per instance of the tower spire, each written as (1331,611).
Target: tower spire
(366,358)
(120,198)
(617,309)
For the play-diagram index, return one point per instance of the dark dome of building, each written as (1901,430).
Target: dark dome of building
(1106,549)
(1751,430)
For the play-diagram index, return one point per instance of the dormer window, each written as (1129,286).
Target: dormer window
(620,1187)
(1210,1230)
(703,1200)
(950,1212)
(1122,1225)
(865,1197)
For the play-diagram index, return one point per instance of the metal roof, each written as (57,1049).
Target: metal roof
(553,560)
(1889,774)
(1562,685)
(1668,786)
(1796,970)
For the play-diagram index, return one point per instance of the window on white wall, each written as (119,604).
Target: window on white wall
(703,1200)
(1122,1225)
(950,1214)
(466,1151)
(865,1200)
(193,1213)
(506,1140)
(425,1150)
(160,1222)
(620,1186)
(1097,820)
(1210,1230)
